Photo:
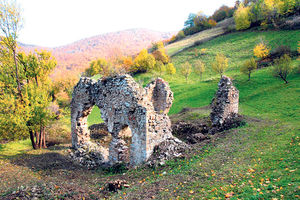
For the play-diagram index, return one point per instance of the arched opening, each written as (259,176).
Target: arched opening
(98,129)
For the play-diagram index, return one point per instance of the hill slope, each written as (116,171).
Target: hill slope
(257,161)
(200,37)
(76,56)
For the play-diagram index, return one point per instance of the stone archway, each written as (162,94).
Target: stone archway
(125,107)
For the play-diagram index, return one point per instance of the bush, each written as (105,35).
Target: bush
(283,67)
(280,51)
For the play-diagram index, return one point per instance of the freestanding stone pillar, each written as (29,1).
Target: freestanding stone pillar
(225,105)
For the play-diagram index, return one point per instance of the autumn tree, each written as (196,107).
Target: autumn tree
(159,67)
(242,17)
(220,64)
(186,70)
(170,69)
(127,63)
(261,50)
(100,66)
(283,67)
(143,62)
(248,67)
(159,53)
(199,68)
(10,25)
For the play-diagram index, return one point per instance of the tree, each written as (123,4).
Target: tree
(100,66)
(242,17)
(31,115)
(199,68)
(10,24)
(160,55)
(159,67)
(220,64)
(170,69)
(143,62)
(248,67)
(283,66)
(261,50)
(189,23)
(201,20)
(127,63)
(186,70)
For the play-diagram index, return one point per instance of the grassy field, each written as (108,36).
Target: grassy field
(257,161)
(189,41)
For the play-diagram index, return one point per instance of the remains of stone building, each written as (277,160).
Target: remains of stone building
(128,110)
(225,104)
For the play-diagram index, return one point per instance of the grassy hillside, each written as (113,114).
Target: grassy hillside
(257,161)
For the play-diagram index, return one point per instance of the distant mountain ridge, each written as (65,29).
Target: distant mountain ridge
(75,57)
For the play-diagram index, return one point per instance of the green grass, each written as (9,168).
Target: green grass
(14,148)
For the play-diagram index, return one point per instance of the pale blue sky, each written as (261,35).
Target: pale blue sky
(52,23)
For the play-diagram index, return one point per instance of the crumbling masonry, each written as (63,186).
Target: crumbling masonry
(225,105)
(127,109)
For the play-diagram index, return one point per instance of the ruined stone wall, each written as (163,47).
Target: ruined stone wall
(127,109)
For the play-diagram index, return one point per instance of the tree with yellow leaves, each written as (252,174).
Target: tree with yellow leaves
(186,70)
(242,17)
(261,50)
(220,64)
(143,62)
(199,68)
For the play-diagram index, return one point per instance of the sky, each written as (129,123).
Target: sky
(52,23)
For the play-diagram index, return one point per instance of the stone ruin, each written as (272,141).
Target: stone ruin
(128,110)
(225,105)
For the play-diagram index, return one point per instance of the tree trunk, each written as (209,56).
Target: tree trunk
(17,74)
(249,74)
(32,139)
(36,80)
(41,138)
(44,138)
(37,137)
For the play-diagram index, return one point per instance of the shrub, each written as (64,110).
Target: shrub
(283,66)
(248,67)
(261,50)
(220,64)
(212,23)
(281,50)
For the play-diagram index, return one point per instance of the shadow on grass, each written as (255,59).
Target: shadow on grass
(45,161)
